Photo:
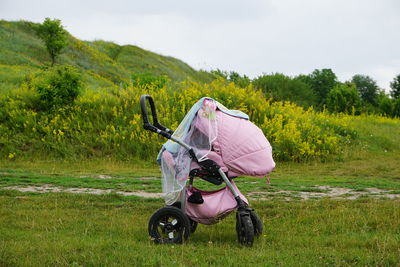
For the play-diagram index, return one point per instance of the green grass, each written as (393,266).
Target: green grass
(61,229)
(110,230)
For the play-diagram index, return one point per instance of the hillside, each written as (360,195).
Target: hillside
(103,64)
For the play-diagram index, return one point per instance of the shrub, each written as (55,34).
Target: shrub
(58,86)
(344,98)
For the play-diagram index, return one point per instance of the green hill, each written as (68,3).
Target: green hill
(103,64)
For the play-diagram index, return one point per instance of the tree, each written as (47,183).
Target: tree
(236,78)
(395,85)
(343,98)
(322,82)
(280,87)
(54,36)
(386,105)
(396,108)
(367,87)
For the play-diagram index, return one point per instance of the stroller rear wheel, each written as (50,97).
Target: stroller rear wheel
(169,225)
(244,228)
(257,224)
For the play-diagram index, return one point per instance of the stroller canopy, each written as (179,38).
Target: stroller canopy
(214,132)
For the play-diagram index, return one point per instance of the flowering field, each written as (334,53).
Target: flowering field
(108,123)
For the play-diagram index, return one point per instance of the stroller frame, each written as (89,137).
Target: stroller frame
(248,223)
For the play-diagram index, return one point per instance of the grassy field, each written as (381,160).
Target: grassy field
(62,229)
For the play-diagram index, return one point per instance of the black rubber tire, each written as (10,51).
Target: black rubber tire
(244,229)
(193,224)
(257,224)
(169,225)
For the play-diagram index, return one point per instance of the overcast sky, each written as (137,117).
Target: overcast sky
(251,37)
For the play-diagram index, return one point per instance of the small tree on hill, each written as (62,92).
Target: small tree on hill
(395,85)
(54,36)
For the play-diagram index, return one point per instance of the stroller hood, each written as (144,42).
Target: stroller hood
(243,147)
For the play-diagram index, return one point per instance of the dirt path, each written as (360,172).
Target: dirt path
(47,188)
(331,192)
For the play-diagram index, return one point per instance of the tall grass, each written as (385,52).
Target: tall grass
(108,123)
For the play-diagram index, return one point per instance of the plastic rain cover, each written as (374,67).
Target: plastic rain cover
(199,130)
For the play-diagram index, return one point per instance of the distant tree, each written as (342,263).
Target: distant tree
(220,74)
(367,87)
(344,98)
(232,76)
(241,81)
(385,104)
(396,108)
(54,36)
(395,85)
(322,82)
(280,87)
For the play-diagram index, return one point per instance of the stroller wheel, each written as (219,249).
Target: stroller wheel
(257,224)
(193,226)
(244,229)
(169,225)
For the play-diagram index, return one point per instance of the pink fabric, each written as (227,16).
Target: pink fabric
(239,143)
(243,146)
(217,204)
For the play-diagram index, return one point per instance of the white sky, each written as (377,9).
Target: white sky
(248,36)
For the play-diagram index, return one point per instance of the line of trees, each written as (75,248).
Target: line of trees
(321,89)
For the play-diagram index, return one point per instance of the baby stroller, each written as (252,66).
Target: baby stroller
(215,144)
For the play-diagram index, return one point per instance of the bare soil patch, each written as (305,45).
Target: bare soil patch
(46,188)
(331,192)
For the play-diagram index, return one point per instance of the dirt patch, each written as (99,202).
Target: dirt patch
(46,188)
(101,176)
(331,192)
(148,178)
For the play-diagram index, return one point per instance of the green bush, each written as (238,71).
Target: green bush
(58,86)
(344,98)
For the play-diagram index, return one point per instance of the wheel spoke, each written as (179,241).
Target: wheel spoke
(174,222)
(162,224)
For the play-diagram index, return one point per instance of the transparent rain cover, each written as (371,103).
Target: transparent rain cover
(175,166)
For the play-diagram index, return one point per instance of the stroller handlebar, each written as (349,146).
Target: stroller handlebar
(156,127)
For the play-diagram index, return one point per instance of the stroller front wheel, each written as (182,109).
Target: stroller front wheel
(169,225)
(244,229)
(257,224)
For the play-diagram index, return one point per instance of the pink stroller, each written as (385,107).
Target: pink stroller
(215,144)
